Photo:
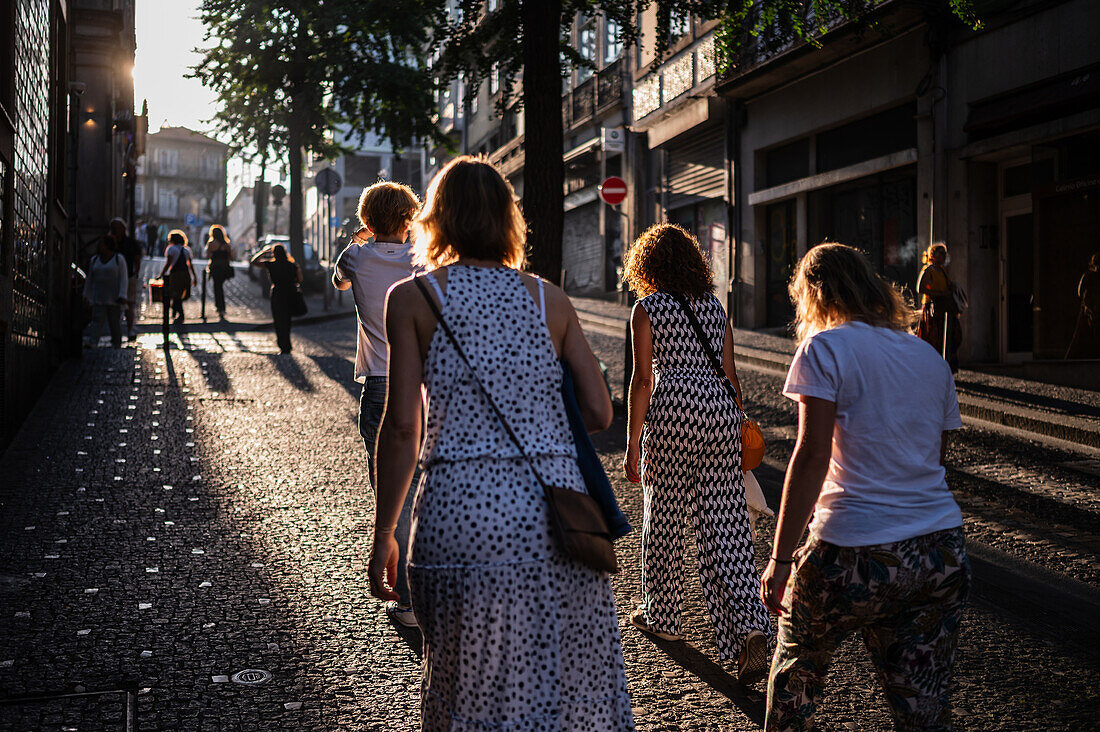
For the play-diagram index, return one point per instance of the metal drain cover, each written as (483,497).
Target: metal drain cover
(251,677)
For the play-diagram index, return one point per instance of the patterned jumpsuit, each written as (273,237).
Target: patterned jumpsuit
(691,467)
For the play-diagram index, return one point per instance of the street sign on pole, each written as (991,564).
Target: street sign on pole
(328,182)
(334,222)
(613,139)
(613,190)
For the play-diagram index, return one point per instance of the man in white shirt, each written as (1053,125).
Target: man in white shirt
(385,210)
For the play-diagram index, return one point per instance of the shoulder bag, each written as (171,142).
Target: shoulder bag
(752,439)
(578,524)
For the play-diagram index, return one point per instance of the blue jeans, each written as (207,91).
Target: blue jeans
(372,404)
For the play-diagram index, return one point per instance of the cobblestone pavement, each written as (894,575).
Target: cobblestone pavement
(171,518)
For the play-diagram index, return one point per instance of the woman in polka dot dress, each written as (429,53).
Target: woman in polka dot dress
(517,635)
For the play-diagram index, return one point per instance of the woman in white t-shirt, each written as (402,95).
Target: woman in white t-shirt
(885,555)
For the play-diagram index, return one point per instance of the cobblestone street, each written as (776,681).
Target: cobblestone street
(171,518)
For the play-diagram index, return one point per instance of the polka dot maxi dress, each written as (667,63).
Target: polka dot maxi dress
(691,470)
(517,636)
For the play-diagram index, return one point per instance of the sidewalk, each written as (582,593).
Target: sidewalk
(996,401)
(183,541)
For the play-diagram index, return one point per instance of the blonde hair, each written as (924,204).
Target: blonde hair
(926,257)
(834,284)
(667,258)
(387,208)
(469,211)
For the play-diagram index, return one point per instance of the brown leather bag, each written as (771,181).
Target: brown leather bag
(575,518)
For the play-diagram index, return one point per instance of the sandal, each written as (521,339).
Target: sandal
(637,619)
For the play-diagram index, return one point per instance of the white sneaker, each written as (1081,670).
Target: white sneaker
(401,614)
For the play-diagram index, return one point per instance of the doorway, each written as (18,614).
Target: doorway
(782,255)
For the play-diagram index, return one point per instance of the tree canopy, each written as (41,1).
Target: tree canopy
(291,75)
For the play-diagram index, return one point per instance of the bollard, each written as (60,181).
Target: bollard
(203,310)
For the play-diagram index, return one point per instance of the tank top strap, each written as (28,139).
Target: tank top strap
(542,298)
(435,286)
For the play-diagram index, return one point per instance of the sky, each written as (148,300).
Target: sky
(168,31)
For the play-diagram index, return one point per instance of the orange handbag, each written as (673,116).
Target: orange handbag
(752,442)
(752,439)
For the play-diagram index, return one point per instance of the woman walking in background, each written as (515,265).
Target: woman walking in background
(181,275)
(105,289)
(220,253)
(939,322)
(685,430)
(285,277)
(885,555)
(517,635)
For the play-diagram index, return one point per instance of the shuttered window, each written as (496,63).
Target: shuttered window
(696,168)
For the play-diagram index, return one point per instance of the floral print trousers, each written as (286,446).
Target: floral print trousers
(906,598)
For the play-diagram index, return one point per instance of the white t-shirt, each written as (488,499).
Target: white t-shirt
(894,396)
(372,270)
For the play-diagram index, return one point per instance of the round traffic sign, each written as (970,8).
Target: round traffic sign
(328,181)
(613,190)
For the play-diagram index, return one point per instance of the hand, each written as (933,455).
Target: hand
(630,463)
(382,569)
(773,583)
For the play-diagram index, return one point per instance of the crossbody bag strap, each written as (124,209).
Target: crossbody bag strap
(488,397)
(715,362)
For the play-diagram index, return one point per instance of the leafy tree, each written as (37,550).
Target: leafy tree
(288,74)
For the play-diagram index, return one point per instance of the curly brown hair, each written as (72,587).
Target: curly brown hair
(667,258)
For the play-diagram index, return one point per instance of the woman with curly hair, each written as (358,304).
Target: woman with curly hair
(684,427)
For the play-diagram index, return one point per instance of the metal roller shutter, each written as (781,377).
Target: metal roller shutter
(697,168)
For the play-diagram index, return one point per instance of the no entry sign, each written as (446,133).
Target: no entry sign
(613,190)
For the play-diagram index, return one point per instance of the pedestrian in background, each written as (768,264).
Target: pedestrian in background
(939,322)
(685,430)
(180,271)
(1085,342)
(220,268)
(105,290)
(517,635)
(131,251)
(285,276)
(885,555)
(370,269)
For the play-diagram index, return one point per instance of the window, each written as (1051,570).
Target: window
(473,99)
(612,42)
(167,162)
(168,204)
(586,47)
(787,163)
(871,137)
(679,24)
(494,79)
(139,198)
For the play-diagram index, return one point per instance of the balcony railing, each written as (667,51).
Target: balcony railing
(610,84)
(584,100)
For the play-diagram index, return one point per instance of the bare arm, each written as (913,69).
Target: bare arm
(398,436)
(801,488)
(641,389)
(572,347)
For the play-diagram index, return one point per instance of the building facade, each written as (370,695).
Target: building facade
(108,132)
(36,247)
(181,182)
(984,139)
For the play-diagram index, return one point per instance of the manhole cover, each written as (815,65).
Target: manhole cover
(251,677)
